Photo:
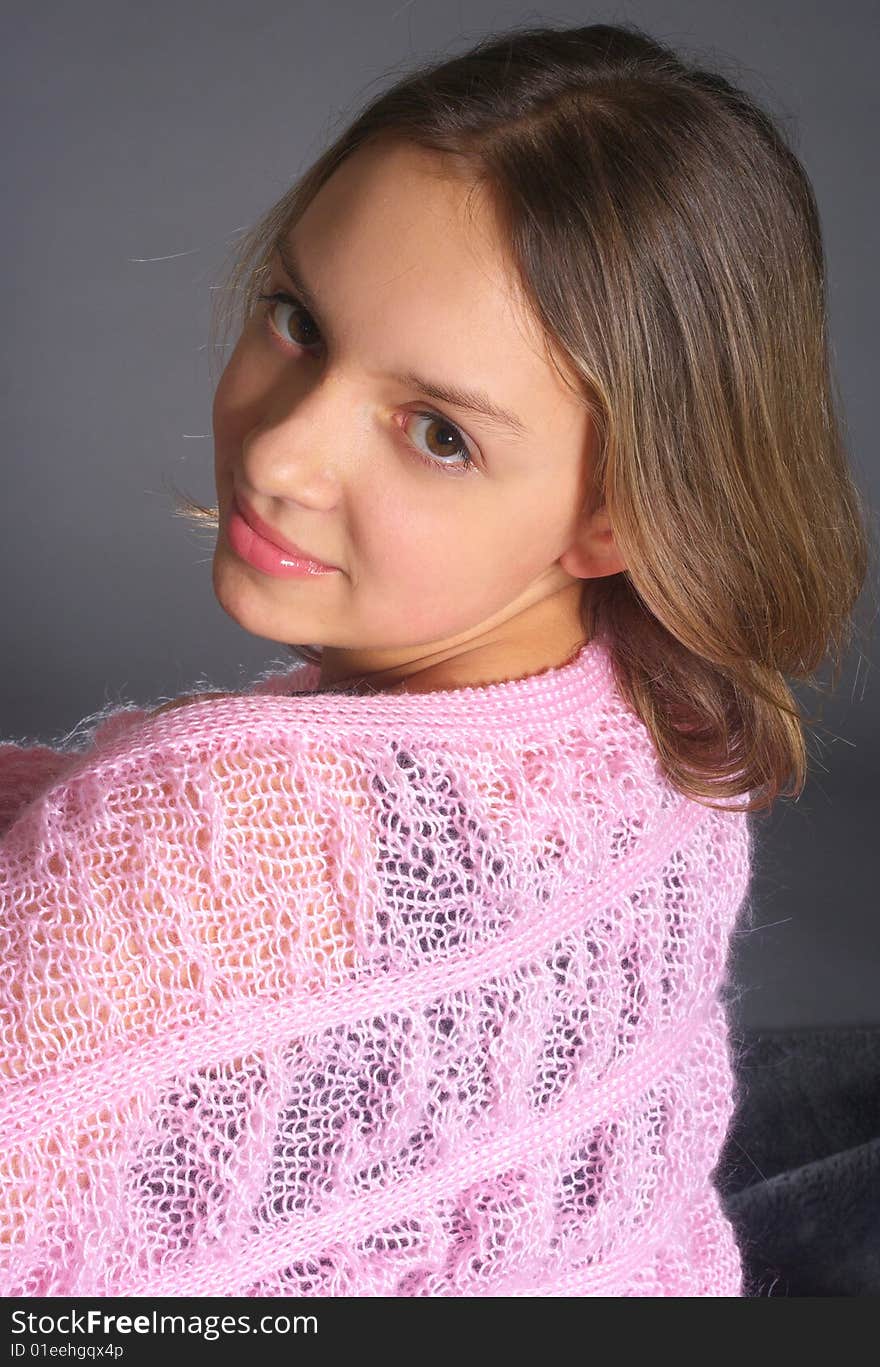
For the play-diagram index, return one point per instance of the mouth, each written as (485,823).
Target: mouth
(274,538)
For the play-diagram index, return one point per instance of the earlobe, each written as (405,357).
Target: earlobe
(612,564)
(596,566)
(595,554)
(606,549)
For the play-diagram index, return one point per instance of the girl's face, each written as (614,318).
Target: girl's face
(460,540)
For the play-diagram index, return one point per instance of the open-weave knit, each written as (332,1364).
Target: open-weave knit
(366,994)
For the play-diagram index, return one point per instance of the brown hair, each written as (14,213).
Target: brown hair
(668,240)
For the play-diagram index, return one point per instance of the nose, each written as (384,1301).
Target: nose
(295,448)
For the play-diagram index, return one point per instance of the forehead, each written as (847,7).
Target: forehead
(405,236)
(405,215)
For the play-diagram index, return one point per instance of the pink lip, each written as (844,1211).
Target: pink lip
(268,533)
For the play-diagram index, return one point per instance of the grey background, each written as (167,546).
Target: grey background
(140,140)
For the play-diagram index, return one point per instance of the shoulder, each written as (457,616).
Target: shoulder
(186,699)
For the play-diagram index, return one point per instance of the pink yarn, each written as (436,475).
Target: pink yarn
(366,995)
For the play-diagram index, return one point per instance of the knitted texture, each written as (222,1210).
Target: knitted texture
(332,994)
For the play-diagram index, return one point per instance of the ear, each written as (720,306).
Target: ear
(594,554)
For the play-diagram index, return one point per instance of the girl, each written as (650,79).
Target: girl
(404,971)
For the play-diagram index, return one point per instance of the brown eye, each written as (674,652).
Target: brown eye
(444,439)
(297,313)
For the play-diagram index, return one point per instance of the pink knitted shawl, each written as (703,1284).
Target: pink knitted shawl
(378,994)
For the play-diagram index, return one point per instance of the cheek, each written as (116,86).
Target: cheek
(437,566)
(412,531)
(244,382)
(225,445)
(228,400)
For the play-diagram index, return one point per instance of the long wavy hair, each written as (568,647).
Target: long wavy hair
(667,238)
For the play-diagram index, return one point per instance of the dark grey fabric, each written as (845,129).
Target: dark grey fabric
(800,1172)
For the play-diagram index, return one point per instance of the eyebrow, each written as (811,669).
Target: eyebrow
(471,400)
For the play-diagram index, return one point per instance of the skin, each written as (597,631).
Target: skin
(446,577)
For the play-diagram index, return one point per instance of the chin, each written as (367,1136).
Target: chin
(249,603)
